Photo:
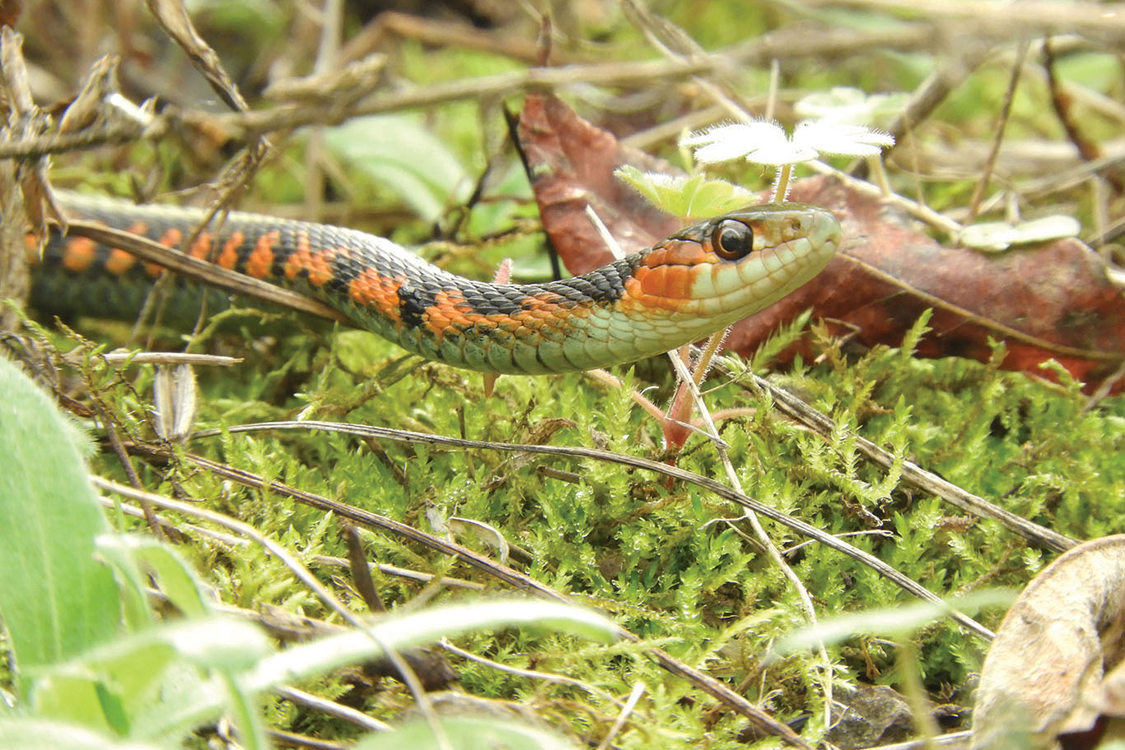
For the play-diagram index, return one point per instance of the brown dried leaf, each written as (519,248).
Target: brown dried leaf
(29,176)
(10,11)
(172,15)
(1099,717)
(13,73)
(1059,639)
(100,82)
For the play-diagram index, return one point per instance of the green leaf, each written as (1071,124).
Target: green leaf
(114,550)
(219,643)
(690,197)
(467,733)
(244,713)
(38,734)
(138,681)
(56,599)
(415,629)
(104,691)
(398,151)
(173,575)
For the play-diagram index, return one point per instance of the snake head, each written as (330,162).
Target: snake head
(731,266)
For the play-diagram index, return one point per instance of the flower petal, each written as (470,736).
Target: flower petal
(731,141)
(773,147)
(705,136)
(783,152)
(841,140)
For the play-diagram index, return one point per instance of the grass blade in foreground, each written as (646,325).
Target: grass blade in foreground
(467,733)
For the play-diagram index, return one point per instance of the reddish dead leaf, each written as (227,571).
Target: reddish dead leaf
(1049,302)
(571,163)
(1100,716)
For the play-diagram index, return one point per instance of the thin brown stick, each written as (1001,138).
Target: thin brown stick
(118,447)
(292,739)
(1061,102)
(784,44)
(332,708)
(441,33)
(931,92)
(998,137)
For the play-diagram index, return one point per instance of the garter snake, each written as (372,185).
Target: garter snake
(686,287)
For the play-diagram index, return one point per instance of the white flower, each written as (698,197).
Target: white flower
(763,142)
(850,106)
(759,141)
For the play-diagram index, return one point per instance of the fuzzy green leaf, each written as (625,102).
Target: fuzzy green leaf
(56,599)
(104,691)
(174,577)
(690,197)
(199,702)
(426,627)
(890,621)
(138,684)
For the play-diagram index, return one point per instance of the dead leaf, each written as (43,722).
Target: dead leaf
(10,11)
(1052,301)
(570,163)
(25,121)
(174,18)
(1099,717)
(86,108)
(1045,671)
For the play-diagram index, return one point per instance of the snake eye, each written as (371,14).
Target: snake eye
(732,240)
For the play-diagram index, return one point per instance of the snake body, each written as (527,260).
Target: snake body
(684,288)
